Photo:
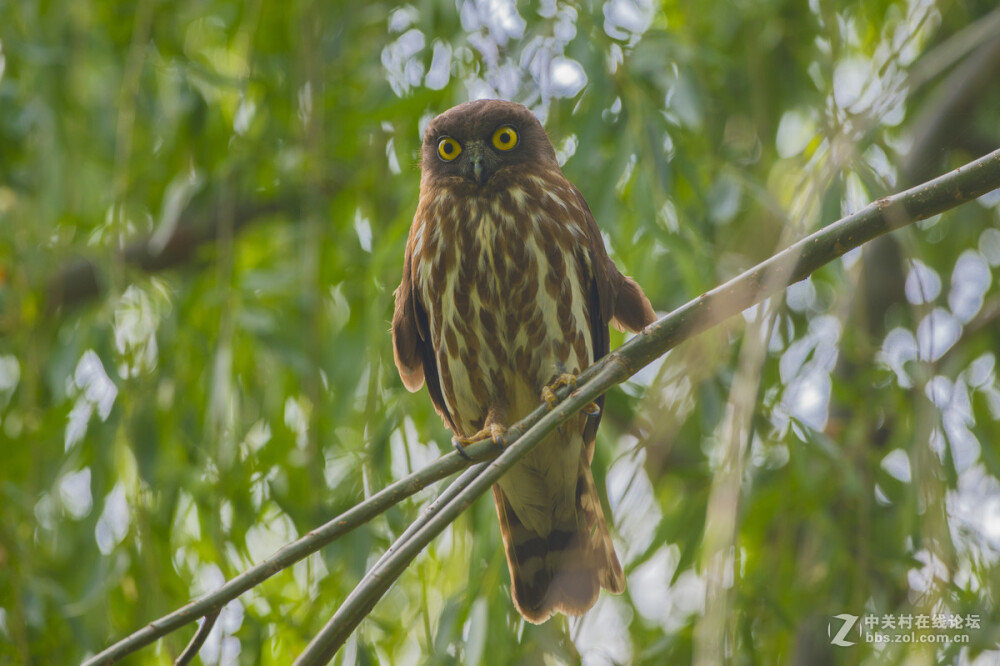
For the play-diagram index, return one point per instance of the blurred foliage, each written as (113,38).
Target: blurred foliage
(203,207)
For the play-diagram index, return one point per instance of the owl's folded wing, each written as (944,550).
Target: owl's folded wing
(412,348)
(621,300)
(406,338)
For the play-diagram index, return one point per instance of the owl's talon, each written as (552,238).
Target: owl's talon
(549,392)
(550,397)
(591,409)
(461,450)
(493,431)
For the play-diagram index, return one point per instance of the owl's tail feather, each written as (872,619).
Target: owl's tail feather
(564,570)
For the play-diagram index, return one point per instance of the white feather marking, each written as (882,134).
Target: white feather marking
(418,239)
(519,196)
(556,199)
(579,309)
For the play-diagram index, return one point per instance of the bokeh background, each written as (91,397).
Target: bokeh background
(203,209)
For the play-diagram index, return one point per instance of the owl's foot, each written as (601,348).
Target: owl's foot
(549,392)
(566,379)
(493,431)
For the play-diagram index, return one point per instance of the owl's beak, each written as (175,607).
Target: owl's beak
(479,169)
(477,161)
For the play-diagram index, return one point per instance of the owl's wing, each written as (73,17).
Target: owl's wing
(406,339)
(619,299)
(614,299)
(412,349)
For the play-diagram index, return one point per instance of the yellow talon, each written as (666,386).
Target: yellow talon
(549,392)
(493,431)
(566,379)
(550,397)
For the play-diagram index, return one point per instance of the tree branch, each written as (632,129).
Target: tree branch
(295,551)
(753,286)
(389,567)
(197,640)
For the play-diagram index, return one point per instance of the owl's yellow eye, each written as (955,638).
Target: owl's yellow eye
(505,138)
(449,149)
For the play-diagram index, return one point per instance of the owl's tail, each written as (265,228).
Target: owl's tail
(564,570)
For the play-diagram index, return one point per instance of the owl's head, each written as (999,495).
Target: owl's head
(482,140)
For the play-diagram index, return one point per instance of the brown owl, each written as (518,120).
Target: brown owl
(507,292)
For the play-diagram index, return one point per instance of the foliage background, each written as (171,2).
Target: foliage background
(203,207)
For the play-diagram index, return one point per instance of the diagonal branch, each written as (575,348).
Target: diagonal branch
(197,640)
(293,552)
(795,263)
(389,567)
(804,257)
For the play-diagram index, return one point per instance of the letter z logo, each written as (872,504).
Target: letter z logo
(839,639)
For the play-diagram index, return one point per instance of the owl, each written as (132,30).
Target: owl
(507,293)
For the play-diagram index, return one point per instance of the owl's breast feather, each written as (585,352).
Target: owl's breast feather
(506,296)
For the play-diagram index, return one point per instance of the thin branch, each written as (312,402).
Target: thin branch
(945,192)
(389,567)
(295,551)
(797,262)
(197,640)
(806,256)
(448,495)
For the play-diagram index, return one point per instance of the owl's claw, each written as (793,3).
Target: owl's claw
(493,431)
(566,379)
(461,450)
(549,392)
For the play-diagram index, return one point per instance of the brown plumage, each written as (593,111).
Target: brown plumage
(506,286)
